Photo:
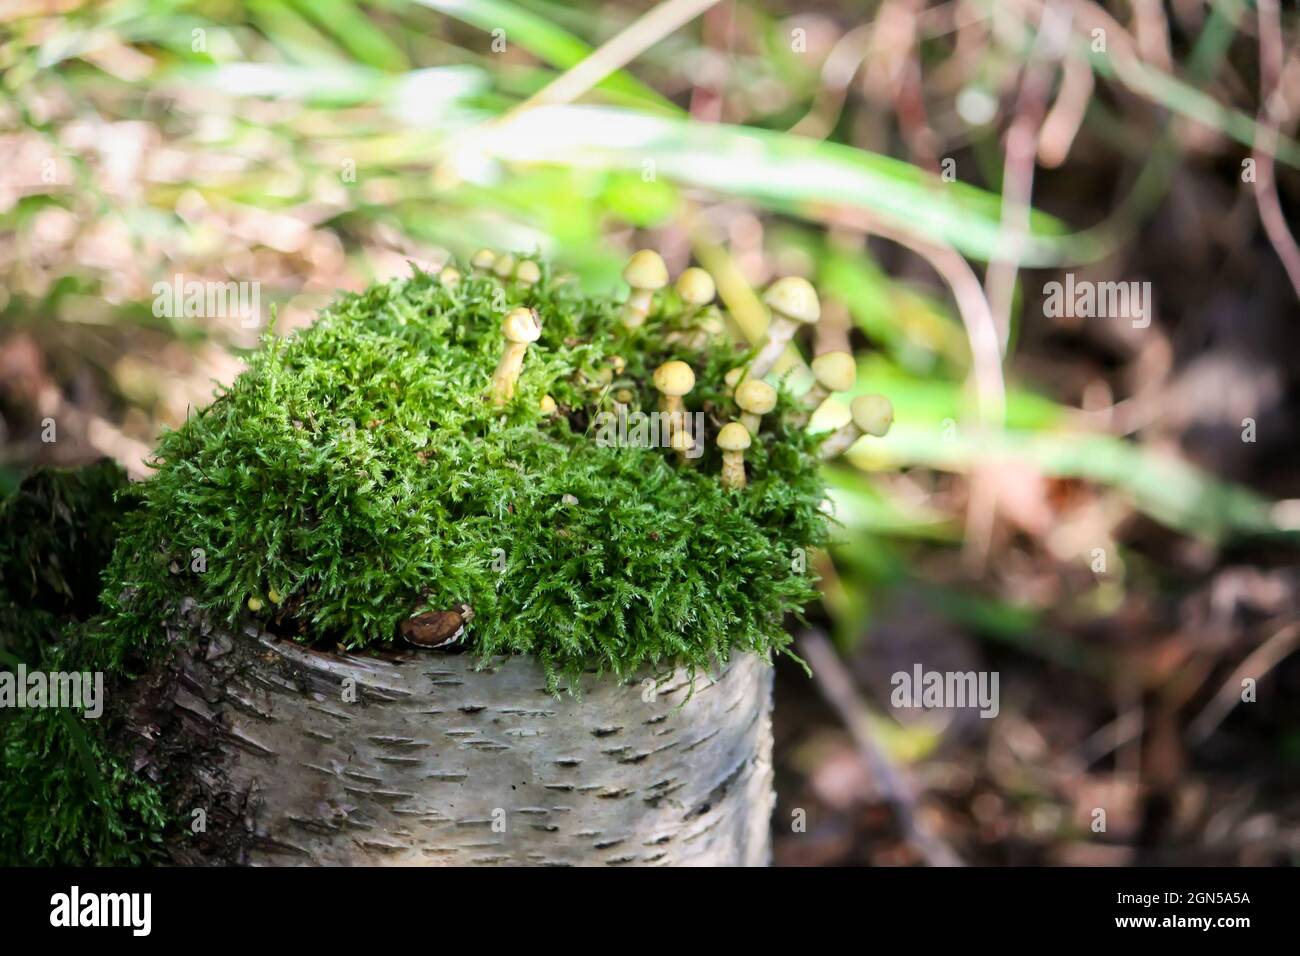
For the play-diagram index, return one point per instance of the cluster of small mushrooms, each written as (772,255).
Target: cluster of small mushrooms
(793,304)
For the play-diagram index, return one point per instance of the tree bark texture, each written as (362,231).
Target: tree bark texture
(281,755)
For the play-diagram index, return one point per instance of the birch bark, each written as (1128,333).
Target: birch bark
(288,756)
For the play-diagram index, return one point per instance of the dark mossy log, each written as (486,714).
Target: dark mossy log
(284,755)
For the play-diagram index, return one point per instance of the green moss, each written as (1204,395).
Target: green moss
(65,797)
(357,470)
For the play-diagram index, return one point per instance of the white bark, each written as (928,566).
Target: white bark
(434,762)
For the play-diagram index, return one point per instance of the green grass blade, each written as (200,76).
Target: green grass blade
(773,168)
(547,42)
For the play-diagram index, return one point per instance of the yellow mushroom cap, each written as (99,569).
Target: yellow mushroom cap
(733,437)
(521,325)
(835,371)
(483,259)
(755,396)
(504,267)
(674,378)
(682,440)
(873,414)
(547,405)
(528,271)
(733,377)
(646,270)
(711,323)
(696,287)
(449,275)
(795,298)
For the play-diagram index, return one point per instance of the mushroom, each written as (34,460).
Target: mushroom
(521,327)
(683,443)
(600,378)
(547,406)
(449,276)
(504,267)
(872,415)
(733,439)
(793,302)
(623,399)
(528,272)
(732,379)
(483,260)
(835,372)
(708,326)
(673,380)
(646,273)
(697,289)
(756,398)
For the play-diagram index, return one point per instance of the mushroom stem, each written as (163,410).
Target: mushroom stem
(637,307)
(733,439)
(507,373)
(683,443)
(832,372)
(733,469)
(872,415)
(779,334)
(840,441)
(813,398)
(520,328)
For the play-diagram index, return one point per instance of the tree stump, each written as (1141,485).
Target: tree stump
(282,755)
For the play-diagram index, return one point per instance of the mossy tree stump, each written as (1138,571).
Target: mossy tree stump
(438,451)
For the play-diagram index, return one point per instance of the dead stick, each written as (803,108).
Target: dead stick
(837,687)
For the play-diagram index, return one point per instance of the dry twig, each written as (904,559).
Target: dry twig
(837,687)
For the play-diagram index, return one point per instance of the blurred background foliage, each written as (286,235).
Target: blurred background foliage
(1069,501)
